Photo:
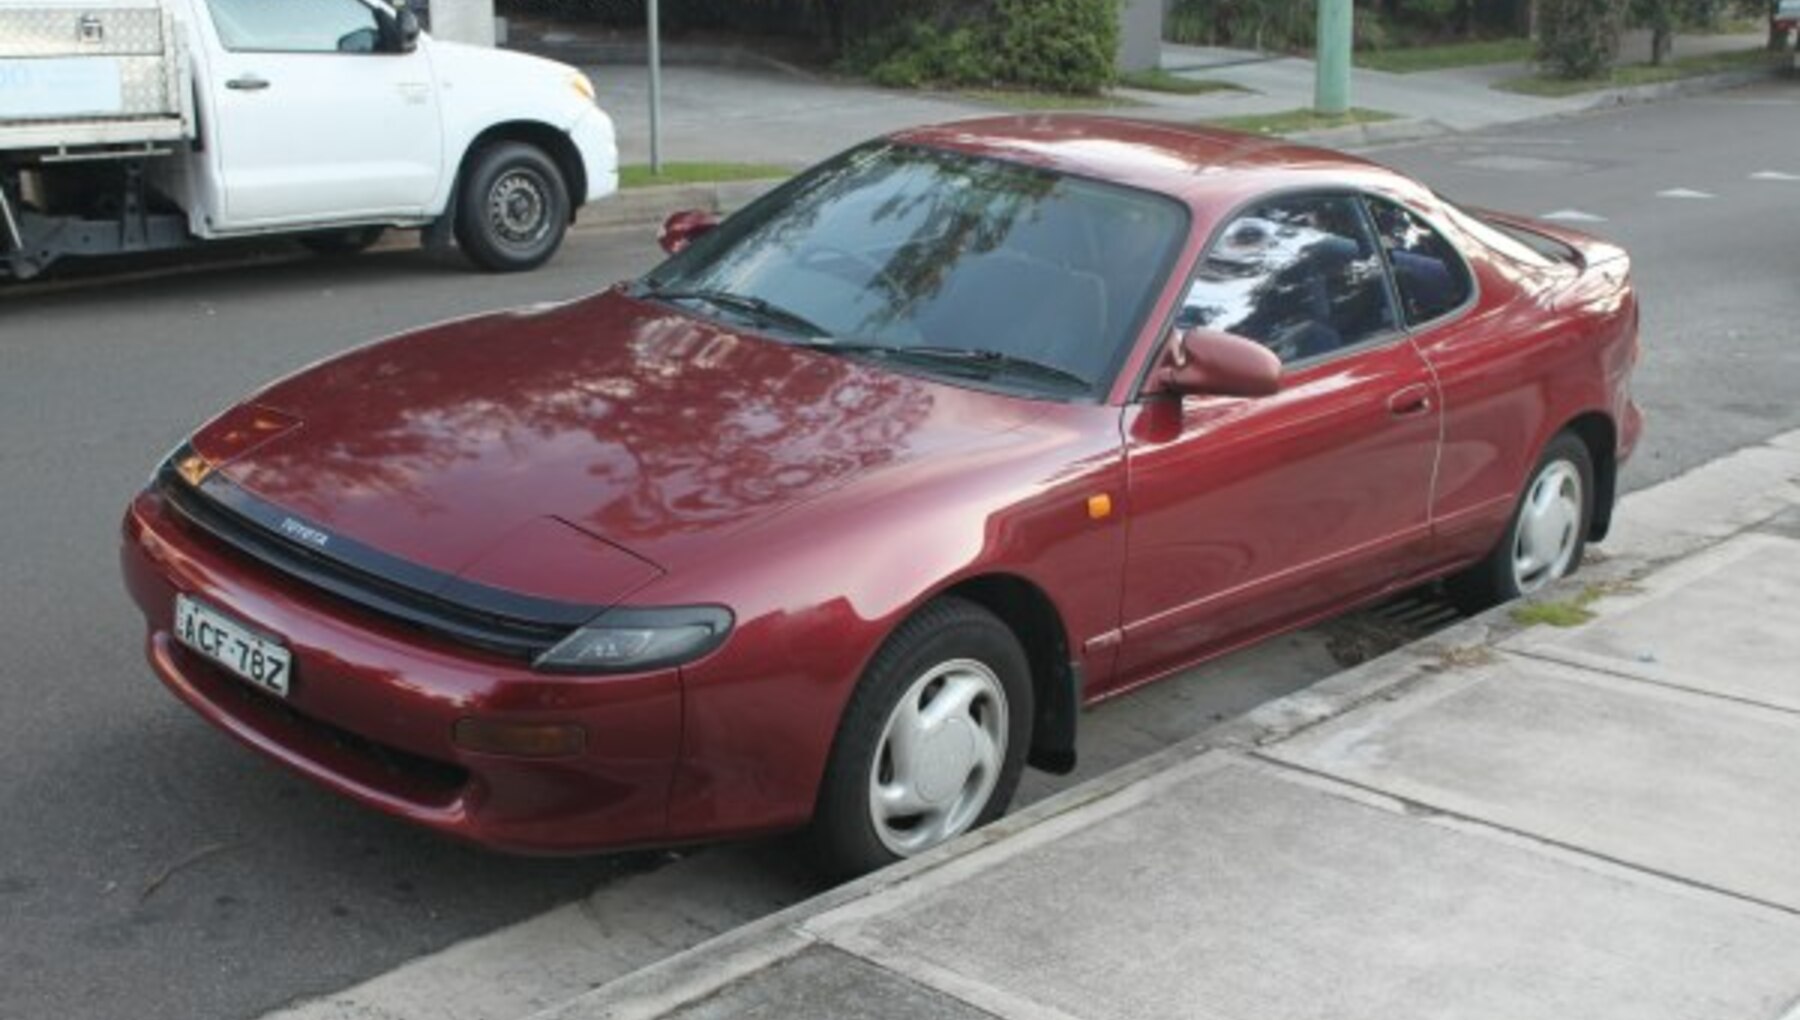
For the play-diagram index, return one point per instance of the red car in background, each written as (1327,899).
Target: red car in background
(838,517)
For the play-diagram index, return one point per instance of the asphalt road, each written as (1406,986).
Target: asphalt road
(1715,275)
(151,869)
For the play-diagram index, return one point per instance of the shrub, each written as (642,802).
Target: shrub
(919,53)
(1057,45)
(1060,45)
(1579,38)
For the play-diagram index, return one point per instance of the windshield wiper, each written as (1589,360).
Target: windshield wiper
(992,361)
(759,308)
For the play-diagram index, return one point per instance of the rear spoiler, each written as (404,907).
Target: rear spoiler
(1584,250)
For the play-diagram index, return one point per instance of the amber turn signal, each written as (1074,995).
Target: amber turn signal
(1100,507)
(520,740)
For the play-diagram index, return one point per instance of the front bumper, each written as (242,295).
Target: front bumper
(373,705)
(595,139)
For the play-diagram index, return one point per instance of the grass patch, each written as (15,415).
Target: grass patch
(1290,121)
(1644,74)
(1411,59)
(1553,614)
(638,175)
(1570,612)
(1158,80)
(1026,99)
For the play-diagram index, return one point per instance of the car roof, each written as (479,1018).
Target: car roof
(1201,165)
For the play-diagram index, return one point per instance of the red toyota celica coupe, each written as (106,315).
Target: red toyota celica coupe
(838,517)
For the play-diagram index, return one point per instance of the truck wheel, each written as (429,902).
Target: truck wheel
(351,241)
(513,209)
(931,744)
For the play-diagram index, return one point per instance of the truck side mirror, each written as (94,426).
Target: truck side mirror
(409,30)
(399,30)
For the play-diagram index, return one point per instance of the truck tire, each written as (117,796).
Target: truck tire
(350,241)
(513,209)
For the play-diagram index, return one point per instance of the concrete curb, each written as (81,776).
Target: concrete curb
(1697,85)
(705,969)
(1383,132)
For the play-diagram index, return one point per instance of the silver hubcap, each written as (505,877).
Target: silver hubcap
(519,207)
(939,757)
(1544,544)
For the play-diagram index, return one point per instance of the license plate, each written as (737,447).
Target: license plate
(261,660)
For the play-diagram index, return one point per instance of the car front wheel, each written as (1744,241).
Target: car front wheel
(932,743)
(1547,534)
(513,209)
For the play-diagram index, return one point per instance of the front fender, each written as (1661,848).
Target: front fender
(818,589)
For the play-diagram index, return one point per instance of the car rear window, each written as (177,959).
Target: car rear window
(1522,246)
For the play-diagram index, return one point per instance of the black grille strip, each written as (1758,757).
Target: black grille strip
(493,619)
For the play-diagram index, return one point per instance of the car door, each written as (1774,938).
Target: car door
(318,116)
(1251,514)
(1484,363)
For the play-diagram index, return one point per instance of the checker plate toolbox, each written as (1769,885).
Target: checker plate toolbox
(76,77)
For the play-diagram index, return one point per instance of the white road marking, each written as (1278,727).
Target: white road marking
(1573,216)
(1774,175)
(1684,193)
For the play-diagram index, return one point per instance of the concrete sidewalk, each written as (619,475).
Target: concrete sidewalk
(1504,821)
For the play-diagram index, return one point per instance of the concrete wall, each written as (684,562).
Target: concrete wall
(463,21)
(1140,34)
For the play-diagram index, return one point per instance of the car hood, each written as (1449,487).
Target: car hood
(622,423)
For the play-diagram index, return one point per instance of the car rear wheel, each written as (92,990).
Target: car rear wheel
(1547,534)
(932,743)
(513,208)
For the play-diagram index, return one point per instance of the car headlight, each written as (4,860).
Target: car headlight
(584,85)
(630,640)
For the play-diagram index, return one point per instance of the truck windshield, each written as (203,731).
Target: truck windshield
(943,262)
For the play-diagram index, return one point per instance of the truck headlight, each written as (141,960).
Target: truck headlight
(584,85)
(630,640)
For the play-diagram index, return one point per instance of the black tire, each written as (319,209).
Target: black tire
(1497,578)
(513,208)
(349,241)
(846,839)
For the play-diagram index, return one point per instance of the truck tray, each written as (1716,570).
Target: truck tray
(73,77)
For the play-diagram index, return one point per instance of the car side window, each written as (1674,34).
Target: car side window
(296,26)
(1430,276)
(1300,275)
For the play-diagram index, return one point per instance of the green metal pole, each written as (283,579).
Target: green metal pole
(1331,87)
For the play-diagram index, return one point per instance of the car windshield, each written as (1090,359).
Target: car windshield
(942,263)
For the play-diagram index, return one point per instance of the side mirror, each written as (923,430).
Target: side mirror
(409,30)
(399,30)
(1206,362)
(683,228)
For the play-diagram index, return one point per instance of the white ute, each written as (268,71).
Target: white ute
(135,125)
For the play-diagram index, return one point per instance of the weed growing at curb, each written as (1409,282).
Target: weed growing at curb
(1571,612)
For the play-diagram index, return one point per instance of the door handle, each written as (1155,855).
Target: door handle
(1409,402)
(247,83)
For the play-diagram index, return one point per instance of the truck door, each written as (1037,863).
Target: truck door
(319,116)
